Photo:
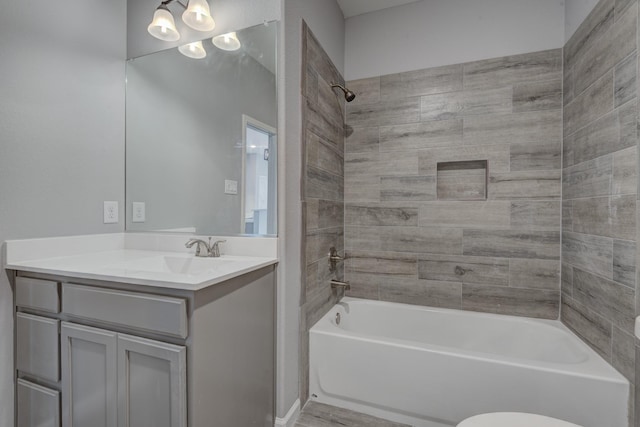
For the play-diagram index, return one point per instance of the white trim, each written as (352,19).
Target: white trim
(292,416)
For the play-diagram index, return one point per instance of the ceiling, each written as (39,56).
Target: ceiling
(358,7)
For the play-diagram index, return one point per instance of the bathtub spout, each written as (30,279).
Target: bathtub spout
(335,284)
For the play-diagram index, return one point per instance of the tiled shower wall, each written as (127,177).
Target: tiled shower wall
(599,183)
(411,233)
(322,188)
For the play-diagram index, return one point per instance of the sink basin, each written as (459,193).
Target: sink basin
(188,266)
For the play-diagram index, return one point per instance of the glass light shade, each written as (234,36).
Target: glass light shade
(198,16)
(163,26)
(227,41)
(193,50)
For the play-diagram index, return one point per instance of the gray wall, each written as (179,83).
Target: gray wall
(411,235)
(62,131)
(431,33)
(184,129)
(325,19)
(599,294)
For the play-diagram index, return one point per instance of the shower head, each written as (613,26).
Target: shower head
(348,95)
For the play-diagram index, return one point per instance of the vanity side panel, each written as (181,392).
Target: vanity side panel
(233,382)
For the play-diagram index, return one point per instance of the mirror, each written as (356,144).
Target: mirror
(201,141)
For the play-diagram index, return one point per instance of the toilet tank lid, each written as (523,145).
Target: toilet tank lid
(511,419)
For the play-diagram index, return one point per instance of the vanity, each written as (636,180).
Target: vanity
(143,333)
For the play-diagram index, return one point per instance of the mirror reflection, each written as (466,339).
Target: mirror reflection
(201,151)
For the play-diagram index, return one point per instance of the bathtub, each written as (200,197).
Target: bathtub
(431,367)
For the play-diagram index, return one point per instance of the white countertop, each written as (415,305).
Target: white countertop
(141,259)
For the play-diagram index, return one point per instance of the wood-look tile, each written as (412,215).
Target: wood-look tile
(512,243)
(366,90)
(394,163)
(321,184)
(423,292)
(623,356)
(405,239)
(567,215)
(525,185)
(462,180)
(363,285)
(387,264)
(380,215)
(625,165)
(331,104)
(594,102)
(599,21)
(384,113)
(594,329)
(454,105)
(315,122)
(624,262)
(362,139)
(541,155)
(318,59)
(613,301)
(323,155)
(407,188)
(497,157)
(614,45)
(318,243)
(625,75)
(568,86)
(535,96)
(418,136)
(566,279)
(534,274)
(526,127)
(606,216)
(591,253)
(466,214)
(310,85)
(464,269)
(540,215)
(544,65)
(323,214)
(361,188)
(538,303)
(588,179)
(421,82)
(612,132)
(621,6)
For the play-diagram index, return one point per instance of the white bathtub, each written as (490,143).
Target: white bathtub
(433,367)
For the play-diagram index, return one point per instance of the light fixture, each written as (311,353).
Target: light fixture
(197,15)
(163,26)
(227,41)
(193,50)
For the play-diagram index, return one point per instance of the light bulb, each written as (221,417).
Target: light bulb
(198,16)
(163,26)
(227,41)
(193,50)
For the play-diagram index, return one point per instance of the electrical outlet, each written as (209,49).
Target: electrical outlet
(110,212)
(138,212)
(230,187)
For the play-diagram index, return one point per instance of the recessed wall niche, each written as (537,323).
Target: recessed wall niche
(463,180)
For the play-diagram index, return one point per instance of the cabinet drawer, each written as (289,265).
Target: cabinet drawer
(165,315)
(37,406)
(37,346)
(38,294)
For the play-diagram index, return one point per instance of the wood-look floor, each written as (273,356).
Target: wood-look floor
(320,415)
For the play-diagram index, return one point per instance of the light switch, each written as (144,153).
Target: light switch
(110,212)
(230,187)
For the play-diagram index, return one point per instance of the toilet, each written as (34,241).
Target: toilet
(513,419)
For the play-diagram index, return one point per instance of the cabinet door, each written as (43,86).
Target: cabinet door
(151,383)
(37,406)
(89,376)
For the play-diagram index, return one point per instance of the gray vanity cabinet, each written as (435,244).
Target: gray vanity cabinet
(89,374)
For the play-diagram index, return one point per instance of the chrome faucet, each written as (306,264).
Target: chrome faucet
(204,249)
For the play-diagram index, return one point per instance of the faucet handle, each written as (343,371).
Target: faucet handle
(215,249)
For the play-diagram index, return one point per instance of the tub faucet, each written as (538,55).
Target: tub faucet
(204,249)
